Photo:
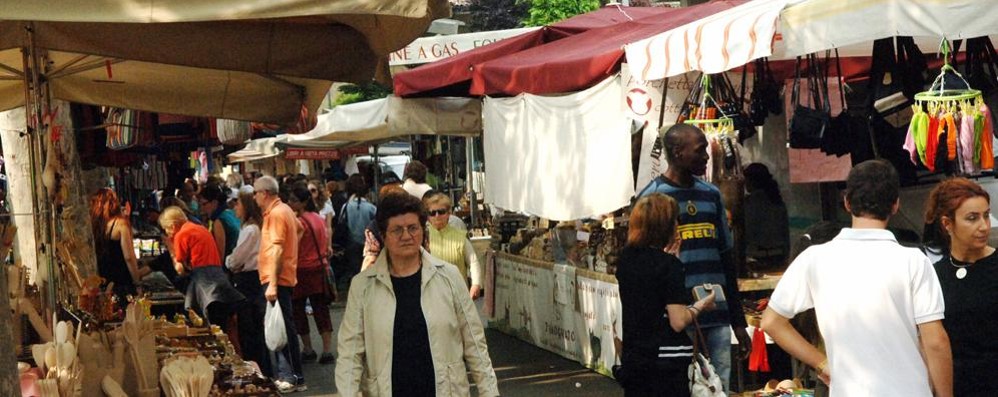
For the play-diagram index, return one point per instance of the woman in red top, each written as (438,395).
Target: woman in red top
(195,255)
(312,271)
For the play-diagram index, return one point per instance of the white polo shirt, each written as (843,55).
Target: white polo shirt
(869,294)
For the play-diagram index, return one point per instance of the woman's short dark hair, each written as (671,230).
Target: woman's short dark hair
(415,171)
(299,192)
(394,205)
(356,186)
(872,188)
(653,221)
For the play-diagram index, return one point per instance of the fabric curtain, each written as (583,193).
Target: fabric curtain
(559,157)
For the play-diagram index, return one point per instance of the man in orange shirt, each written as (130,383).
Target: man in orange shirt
(278,267)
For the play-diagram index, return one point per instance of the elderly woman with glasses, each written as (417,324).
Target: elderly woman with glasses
(409,327)
(450,243)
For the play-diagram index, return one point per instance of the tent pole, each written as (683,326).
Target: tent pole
(33,95)
(469,179)
(377,174)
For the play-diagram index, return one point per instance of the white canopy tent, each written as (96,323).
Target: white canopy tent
(788,28)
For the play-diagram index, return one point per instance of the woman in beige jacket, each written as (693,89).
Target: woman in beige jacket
(413,301)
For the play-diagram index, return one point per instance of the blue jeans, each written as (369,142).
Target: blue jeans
(719,346)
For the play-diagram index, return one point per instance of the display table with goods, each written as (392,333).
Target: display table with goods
(554,287)
(138,355)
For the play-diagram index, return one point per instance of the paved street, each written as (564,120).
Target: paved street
(523,370)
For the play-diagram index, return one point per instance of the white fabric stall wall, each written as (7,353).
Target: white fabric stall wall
(559,157)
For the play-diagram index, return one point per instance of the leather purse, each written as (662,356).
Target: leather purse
(844,125)
(809,122)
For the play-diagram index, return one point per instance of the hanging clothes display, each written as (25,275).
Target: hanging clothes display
(150,175)
(951,129)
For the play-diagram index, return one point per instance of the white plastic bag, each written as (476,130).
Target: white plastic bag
(273,327)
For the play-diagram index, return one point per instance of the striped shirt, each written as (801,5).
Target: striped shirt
(703,227)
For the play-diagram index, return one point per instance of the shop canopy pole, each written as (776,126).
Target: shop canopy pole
(377,174)
(33,97)
(469,179)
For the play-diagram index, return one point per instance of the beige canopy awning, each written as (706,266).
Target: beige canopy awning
(256,60)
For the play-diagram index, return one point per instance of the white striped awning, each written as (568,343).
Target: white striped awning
(788,28)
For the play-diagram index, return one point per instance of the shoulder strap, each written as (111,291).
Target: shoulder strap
(315,240)
(111,230)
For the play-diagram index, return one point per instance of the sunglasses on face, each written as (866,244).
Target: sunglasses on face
(438,212)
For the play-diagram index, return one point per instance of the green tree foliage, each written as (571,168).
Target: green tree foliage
(351,93)
(489,15)
(546,12)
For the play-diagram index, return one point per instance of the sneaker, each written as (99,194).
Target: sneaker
(301,387)
(327,358)
(307,357)
(285,387)
(308,308)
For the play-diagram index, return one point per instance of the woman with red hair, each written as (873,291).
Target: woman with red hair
(116,261)
(959,212)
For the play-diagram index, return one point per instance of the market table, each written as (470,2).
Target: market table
(573,312)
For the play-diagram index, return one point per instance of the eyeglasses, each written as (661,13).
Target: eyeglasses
(396,233)
(439,212)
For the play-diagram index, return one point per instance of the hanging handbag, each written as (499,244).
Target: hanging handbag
(732,106)
(122,128)
(842,127)
(704,381)
(808,124)
(765,98)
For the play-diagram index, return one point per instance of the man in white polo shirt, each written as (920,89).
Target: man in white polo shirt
(879,305)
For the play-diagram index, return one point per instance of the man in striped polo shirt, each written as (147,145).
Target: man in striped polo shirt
(706,249)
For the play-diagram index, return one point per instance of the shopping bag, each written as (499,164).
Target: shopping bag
(273,327)
(704,381)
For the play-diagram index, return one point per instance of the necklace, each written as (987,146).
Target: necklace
(961,270)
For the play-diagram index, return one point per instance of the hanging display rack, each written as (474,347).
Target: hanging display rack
(723,124)
(938,92)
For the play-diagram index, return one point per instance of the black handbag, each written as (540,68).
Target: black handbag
(844,125)
(808,124)
(765,98)
(341,232)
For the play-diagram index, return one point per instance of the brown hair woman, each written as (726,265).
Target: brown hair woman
(113,242)
(960,212)
(655,303)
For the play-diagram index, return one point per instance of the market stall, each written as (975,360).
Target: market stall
(180,58)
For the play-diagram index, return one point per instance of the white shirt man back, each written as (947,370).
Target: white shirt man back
(879,305)
(870,293)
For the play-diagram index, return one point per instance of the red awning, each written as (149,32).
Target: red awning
(452,76)
(582,60)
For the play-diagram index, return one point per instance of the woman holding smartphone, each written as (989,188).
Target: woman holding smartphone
(655,303)
(968,273)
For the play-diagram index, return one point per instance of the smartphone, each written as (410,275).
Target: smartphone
(701,291)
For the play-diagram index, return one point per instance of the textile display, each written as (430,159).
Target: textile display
(559,157)
(233,132)
(152,175)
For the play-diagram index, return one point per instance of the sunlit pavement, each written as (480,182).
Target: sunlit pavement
(522,369)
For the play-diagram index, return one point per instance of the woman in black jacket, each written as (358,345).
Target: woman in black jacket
(655,303)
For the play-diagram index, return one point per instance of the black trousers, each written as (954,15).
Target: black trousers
(250,320)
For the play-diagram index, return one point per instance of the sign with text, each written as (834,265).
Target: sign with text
(323,153)
(429,49)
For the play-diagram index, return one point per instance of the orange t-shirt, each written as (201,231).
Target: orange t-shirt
(280,228)
(195,246)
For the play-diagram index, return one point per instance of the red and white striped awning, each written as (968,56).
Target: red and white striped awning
(788,28)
